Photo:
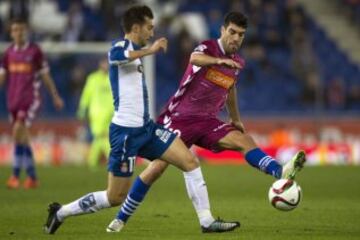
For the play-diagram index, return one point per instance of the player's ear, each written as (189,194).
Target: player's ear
(223,30)
(135,28)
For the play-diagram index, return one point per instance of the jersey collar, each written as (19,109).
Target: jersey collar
(221,46)
(18,48)
(135,46)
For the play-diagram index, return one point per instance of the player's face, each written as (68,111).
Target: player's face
(146,31)
(18,32)
(231,37)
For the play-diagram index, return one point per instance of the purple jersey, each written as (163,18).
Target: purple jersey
(23,67)
(203,90)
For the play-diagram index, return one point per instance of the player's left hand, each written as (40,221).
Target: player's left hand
(239,126)
(58,102)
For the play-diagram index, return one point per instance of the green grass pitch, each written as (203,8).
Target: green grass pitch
(330,208)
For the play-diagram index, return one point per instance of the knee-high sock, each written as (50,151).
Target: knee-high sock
(197,191)
(29,162)
(258,159)
(18,159)
(133,200)
(89,203)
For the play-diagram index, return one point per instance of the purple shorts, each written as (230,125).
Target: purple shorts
(25,114)
(204,132)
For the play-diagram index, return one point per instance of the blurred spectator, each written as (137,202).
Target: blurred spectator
(215,22)
(303,59)
(336,94)
(75,23)
(311,90)
(19,9)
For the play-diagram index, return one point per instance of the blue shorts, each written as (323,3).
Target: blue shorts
(149,141)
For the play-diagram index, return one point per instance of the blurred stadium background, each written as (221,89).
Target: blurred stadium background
(300,87)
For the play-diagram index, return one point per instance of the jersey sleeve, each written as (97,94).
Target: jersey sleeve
(40,63)
(118,53)
(204,47)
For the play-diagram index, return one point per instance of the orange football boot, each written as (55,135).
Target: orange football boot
(13,182)
(30,183)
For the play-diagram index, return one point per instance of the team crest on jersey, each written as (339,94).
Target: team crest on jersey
(219,78)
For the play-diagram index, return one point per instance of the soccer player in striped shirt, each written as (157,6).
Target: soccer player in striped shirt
(23,66)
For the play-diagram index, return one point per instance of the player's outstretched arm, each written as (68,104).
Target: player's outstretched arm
(160,44)
(233,109)
(202,60)
(49,83)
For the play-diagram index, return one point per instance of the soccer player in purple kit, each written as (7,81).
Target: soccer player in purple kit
(206,87)
(23,63)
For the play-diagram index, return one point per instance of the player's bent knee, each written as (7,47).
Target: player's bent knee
(249,141)
(191,164)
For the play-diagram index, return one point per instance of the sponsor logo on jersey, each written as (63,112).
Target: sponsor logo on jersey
(219,78)
(20,67)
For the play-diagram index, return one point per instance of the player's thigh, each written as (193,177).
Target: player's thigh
(236,140)
(180,156)
(153,171)
(117,189)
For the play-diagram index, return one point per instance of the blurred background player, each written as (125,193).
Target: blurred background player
(23,64)
(96,106)
(209,83)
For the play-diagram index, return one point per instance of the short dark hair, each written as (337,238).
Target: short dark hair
(18,21)
(135,15)
(237,18)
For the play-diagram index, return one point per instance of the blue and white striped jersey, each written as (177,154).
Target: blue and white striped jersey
(128,86)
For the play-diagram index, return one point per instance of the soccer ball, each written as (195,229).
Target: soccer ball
(285,194)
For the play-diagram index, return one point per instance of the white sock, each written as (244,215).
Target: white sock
(89,203)
(197,191)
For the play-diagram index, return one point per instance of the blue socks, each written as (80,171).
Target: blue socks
(133,199)
(24,158)
(258,159)
(29,162)
(18,158)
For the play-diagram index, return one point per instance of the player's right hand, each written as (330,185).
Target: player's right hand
(229,63)
(58,102)
(159,44)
